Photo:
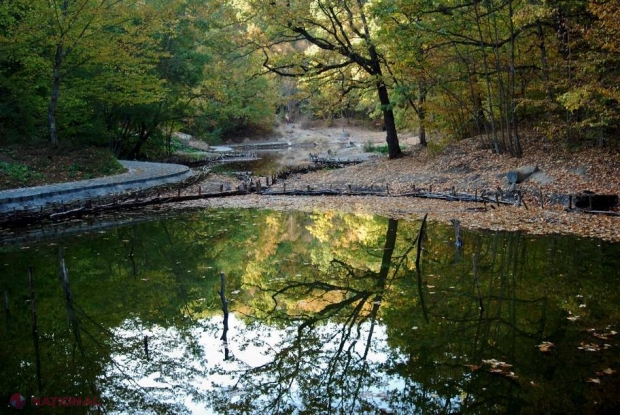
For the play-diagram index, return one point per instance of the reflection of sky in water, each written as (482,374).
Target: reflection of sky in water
(200,368)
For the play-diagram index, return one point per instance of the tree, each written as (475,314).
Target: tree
(87,48)
(210,89)
(23,74)
(591,96)
(328,36)
(96,30)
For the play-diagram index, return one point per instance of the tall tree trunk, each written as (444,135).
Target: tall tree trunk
(58,61)
(502,99)
(544,65)
(487,79)
(55,94)
(422,113)
(391,138)
(513,124)
(374,69)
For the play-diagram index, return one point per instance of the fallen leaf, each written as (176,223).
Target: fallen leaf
(496,364)
(594,380)
(592,347)
(545,347)
(604,336)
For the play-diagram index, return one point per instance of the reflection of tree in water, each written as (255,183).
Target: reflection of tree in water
(328,361)
(415,337)
(452,354)
(468,316)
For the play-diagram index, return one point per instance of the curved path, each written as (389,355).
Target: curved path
(139,176)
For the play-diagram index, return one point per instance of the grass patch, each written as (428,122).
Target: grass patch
(179,146)
(18,172)
(30,164)
(370,147)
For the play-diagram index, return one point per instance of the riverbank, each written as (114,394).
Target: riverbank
(466,167)
(463,167)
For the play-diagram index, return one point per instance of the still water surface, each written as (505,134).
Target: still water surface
(328,314)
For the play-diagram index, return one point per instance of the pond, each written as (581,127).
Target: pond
(327,313)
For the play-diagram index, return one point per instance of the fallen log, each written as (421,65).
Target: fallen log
(459,197)
(332,161)
(17,219)
(323,192)
(23,218)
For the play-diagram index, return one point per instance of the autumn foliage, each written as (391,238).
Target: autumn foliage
(127,74)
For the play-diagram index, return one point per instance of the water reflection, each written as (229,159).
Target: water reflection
(329,313)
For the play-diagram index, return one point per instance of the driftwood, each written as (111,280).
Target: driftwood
(290,170)
(63,212)
(211,159)
(458,197)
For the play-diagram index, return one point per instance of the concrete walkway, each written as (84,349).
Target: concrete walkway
(139,176)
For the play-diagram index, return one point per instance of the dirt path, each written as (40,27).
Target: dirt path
(342,140)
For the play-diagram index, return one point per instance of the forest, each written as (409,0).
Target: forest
(127,74)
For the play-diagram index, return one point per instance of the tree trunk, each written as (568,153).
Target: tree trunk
(487,79)
(544,65)
(391,138)
(58,61)
(513,124)
(422,114)
(55,94)
(374,69)
(145,133)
